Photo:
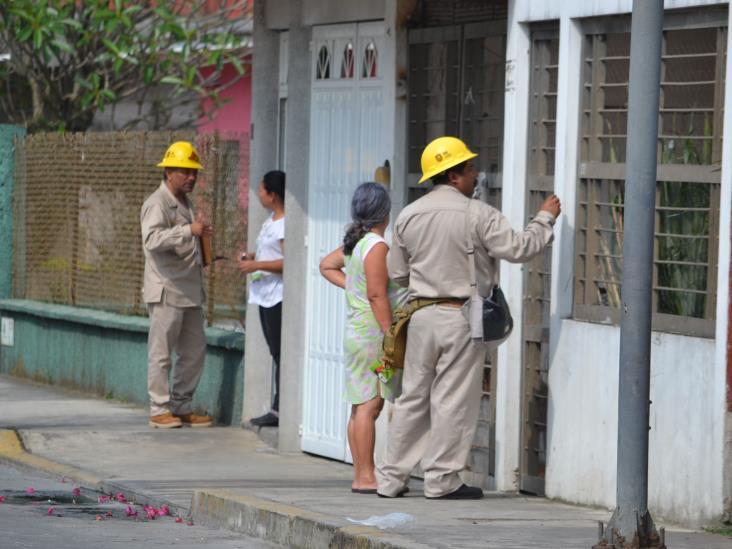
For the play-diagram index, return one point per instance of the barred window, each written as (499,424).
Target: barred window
(688,187)
(457,87)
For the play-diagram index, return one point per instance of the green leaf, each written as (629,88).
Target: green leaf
(237,65)
(83,82)
(171,80)
(72,23)
(25,34)
(118,64)
(190,75)
(87,100)
(23,15)
(37,39)
(110,26)
(132,10)
(47,53)
(63,45)
(111,45)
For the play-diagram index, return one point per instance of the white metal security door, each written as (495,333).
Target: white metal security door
(347,143)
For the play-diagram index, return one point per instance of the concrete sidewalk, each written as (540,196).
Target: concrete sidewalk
(228,477)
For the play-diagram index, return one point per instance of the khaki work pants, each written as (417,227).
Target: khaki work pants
(178,329)
(435,418)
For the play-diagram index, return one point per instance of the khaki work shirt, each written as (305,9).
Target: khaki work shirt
(429,254)
(173,265)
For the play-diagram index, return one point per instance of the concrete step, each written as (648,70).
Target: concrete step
(289,525)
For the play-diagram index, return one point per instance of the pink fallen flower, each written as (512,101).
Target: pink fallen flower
(109,514)
(76,491)
(100,517)
(2,499)
(121,498)
(50,511)
(164,511)
(189,523)
(103,499)
(178,519)
(30,490)
(130,512)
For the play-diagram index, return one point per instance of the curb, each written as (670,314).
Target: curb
(288,525)
(268,435)
(279,523)
(13,451)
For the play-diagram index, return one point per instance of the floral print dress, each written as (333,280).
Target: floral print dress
(363,339)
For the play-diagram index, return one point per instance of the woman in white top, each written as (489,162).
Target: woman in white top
(265,287)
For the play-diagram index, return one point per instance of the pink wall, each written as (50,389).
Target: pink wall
(235,115)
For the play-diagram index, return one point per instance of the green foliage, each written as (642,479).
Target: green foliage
(688,257)
(683,225)
(725,530)
(74,59)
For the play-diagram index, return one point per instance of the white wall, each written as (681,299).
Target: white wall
(325,12)
(684,463)
(688,374)
(531,10)
(723,297)
(508,377)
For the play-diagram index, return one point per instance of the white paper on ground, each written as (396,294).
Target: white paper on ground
(384,521)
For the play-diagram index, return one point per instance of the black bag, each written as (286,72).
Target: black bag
(490,318)
(497,320)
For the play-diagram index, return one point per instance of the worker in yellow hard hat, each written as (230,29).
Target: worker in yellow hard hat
(434,419)
(173,290)
(443,153)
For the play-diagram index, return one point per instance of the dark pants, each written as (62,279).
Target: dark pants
(271,319)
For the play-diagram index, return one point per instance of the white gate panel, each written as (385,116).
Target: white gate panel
(346,129)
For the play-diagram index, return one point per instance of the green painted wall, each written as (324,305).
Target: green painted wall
(7,163)
(106,354)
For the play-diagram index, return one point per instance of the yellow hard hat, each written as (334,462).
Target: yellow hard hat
(181,154)
(443,153)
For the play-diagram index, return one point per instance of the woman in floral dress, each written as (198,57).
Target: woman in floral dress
(359,266)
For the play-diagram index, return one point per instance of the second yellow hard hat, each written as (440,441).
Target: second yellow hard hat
(443,153)
(181,154)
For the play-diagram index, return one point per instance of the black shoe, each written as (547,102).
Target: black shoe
(399,494)
(464,492)
(267,420)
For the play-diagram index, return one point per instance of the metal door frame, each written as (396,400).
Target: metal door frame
(533,424)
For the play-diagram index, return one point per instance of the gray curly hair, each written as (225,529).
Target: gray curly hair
(370,205)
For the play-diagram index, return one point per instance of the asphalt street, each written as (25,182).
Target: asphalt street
(45,513)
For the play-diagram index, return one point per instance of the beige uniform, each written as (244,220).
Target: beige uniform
(434,419)
(173,290)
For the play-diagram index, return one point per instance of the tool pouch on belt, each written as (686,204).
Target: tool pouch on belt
(395,340)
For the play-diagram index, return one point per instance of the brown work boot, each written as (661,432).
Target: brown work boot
(165,421)
(193,420)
